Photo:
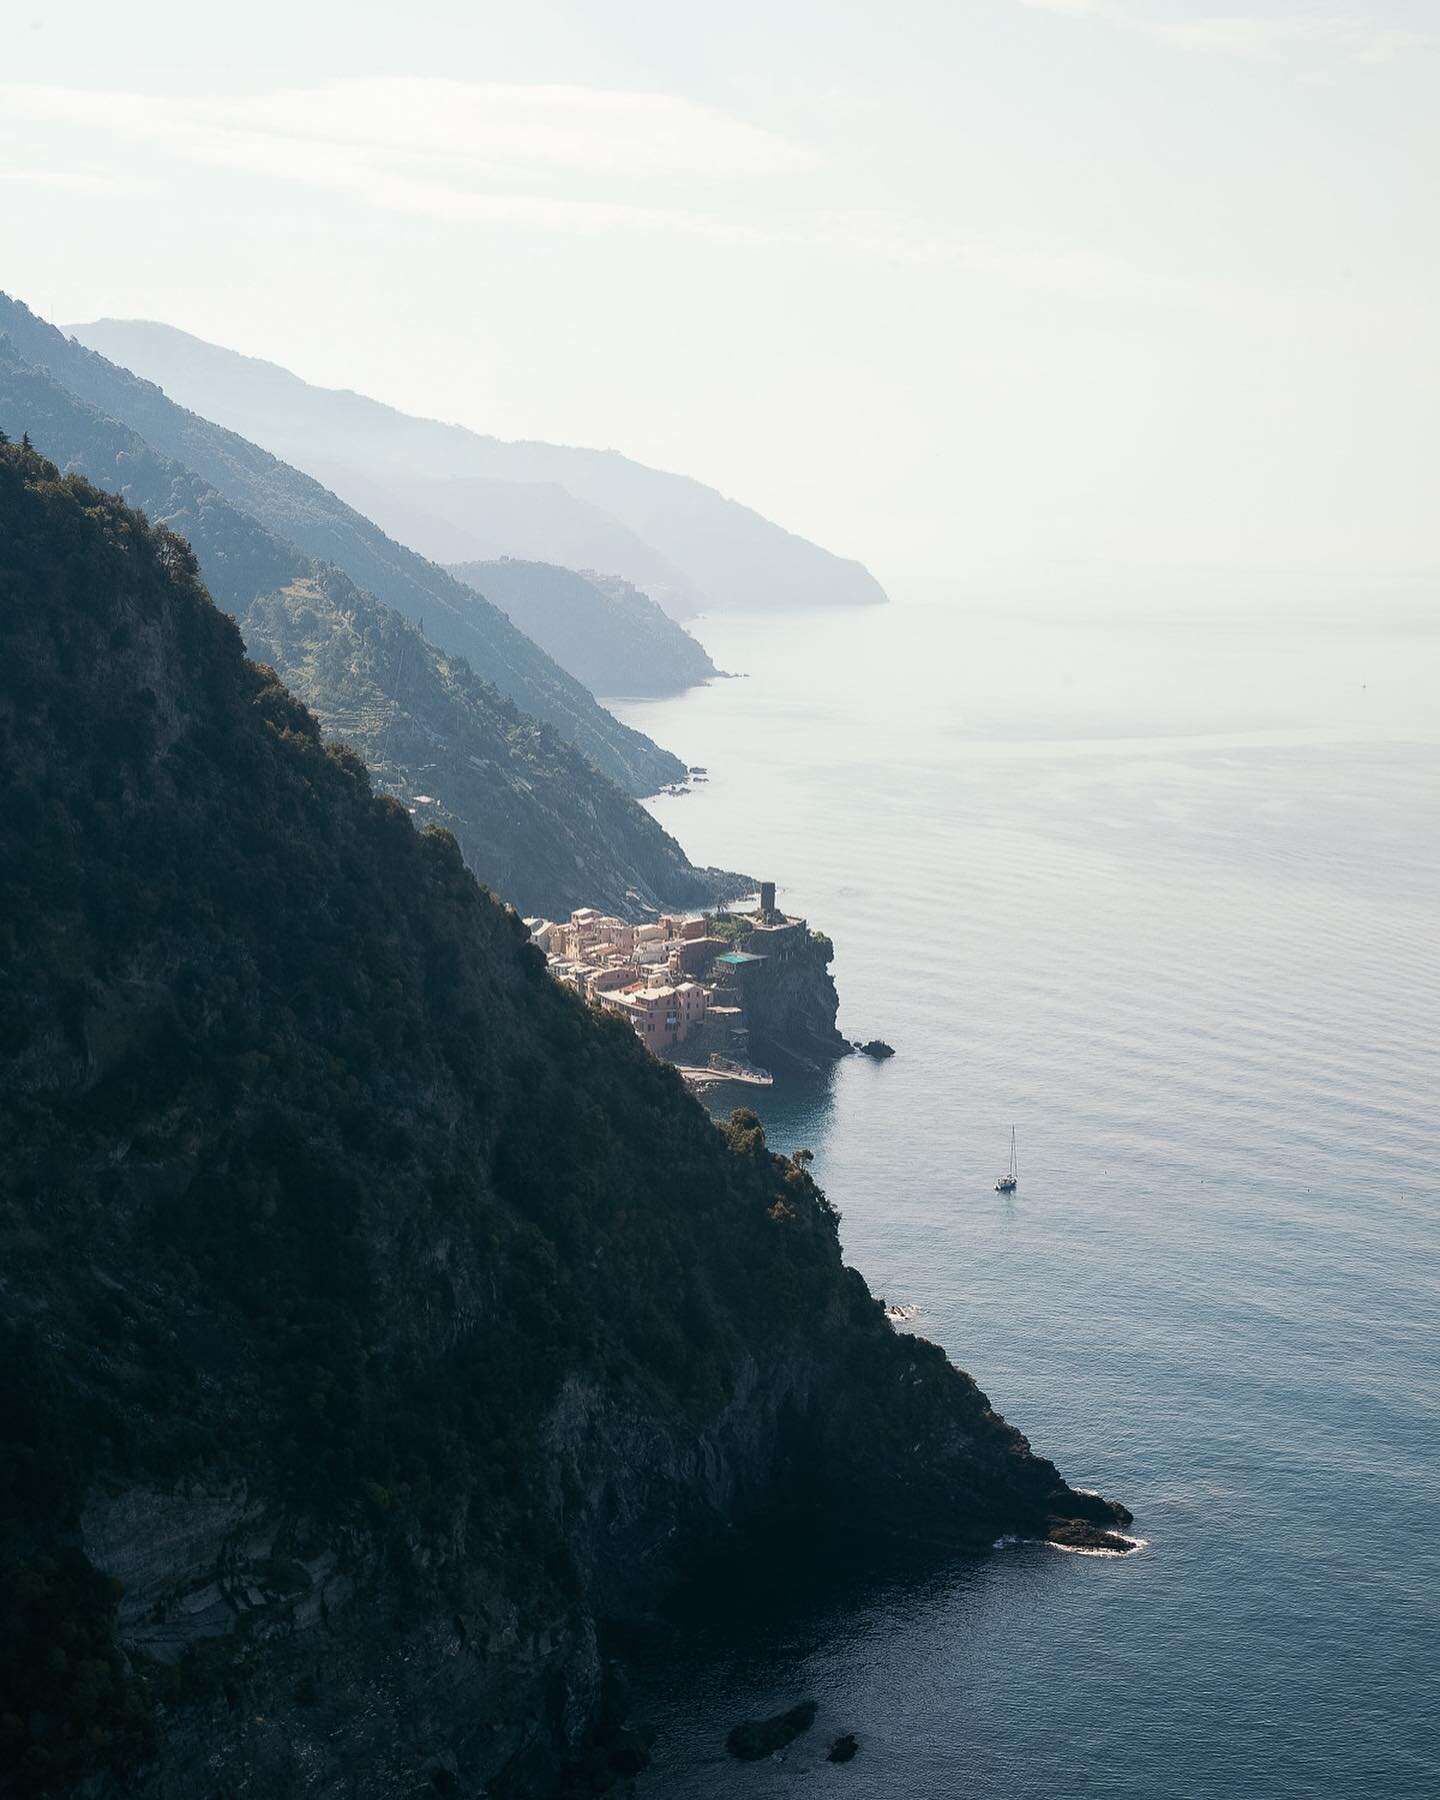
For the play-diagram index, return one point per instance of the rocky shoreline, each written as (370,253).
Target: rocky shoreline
(384,1326)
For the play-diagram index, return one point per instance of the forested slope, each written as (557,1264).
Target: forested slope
(297,509)
(533,818)
(376,1319)
(600,627)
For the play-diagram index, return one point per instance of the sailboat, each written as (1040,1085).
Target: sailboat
(1010,1180)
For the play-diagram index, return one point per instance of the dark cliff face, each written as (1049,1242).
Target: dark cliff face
(376,1320)
(792,1004)
(788,994)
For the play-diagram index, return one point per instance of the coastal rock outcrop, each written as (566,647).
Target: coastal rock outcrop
(763,1737)
(381,1326)
(1082,1534)
(787,991)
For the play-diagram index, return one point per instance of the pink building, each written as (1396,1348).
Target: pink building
(614,978)
(662,1016)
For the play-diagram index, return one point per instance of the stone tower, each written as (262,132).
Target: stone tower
(767,901)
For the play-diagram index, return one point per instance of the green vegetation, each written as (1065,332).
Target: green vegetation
(68,1702)
(736,928)
(534,820)
(299,511)
(221,952)
(313,1185)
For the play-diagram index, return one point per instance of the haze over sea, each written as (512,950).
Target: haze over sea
(1157,885)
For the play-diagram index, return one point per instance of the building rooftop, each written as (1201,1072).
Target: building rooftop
(735,958)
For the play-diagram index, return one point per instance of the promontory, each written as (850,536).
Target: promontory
(379,1322)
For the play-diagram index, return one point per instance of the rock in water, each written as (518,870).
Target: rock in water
(1079,1534)
(844,1748)
(763,1737)
(877,1049)
(629,1749)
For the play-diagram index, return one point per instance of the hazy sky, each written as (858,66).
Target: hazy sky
(943,285)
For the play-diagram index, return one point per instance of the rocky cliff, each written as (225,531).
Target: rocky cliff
(377,1321)
(787,992)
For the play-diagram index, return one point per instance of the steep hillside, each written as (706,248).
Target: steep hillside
(297,509)
(601,628)
(470,518)
(731,554)
(378,1321)
(533,818)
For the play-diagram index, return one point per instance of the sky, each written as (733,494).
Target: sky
(1067,286)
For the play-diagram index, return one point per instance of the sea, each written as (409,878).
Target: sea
(1152,877)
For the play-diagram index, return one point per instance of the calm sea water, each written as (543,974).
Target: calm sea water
(1162,893)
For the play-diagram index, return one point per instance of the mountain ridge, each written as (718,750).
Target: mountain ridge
(379,1320)
(299,510)
(602,628)
(534,819)
(732,555)
(477,519)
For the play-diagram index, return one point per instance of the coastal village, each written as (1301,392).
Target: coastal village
(682,979)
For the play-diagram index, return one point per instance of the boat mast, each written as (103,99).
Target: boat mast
(1014,1164)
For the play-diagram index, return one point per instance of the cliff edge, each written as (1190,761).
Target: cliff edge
(778,969)
(377,1321)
